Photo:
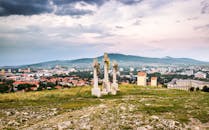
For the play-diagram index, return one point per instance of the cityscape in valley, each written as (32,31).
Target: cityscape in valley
(104,65)
(180,75)
(103,78)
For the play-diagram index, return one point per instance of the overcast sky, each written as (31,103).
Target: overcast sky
(42,30)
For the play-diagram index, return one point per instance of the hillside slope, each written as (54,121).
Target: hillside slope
(133,107)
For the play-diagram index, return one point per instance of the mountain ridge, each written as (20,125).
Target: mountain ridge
(124,60)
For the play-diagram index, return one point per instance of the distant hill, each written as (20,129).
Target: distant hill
(123,60)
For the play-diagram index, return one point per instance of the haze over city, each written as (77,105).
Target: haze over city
(36,31)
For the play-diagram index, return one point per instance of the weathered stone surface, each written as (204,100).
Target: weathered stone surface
(107,115)
(64,125)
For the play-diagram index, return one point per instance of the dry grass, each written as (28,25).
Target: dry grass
(172,104)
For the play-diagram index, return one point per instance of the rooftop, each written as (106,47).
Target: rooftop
(142,74)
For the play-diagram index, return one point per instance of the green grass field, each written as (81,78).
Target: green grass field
(178,105)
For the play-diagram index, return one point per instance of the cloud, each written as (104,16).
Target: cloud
(72,11)
(165,27)
(64,2)
(203,27)
(59,7)
(137,22)
(119,27)
(130,2)
(205,7)
(24,7)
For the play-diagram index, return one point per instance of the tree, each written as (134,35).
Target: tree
(26,87)
(9,83)
(42,85)
(207,75)
(4,88)
(50,84)
(56,83)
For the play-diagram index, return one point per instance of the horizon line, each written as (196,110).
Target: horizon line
(97,57)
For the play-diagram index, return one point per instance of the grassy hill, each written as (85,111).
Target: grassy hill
(133,107)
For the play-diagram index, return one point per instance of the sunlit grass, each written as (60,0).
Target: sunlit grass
(173,104)
(49,98)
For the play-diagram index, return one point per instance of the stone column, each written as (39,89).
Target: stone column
(96,90)
(114,86)
(114,74)
(106,79)
(106,83)
(95,78)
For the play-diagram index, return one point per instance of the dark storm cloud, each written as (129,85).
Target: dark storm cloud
(66,7)
(130,2)
(31,7)
(63,2)
(71,10)
(24,7)
(63,7)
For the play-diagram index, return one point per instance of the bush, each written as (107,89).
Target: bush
(39,88)
(205,89)
(191,89)
(164,86)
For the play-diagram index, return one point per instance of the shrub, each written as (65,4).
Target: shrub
(39,88)
(164,86)
(191,89)
(205,89)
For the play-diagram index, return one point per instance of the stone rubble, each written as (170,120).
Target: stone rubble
(104,116)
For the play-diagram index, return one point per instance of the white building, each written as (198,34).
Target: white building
(131,69)
(121,69)
(9,70)
(200,75)
(142,79)
(2,72)
(188,72)
(186,84)
(154,81)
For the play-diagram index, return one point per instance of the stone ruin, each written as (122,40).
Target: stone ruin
(107,87)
